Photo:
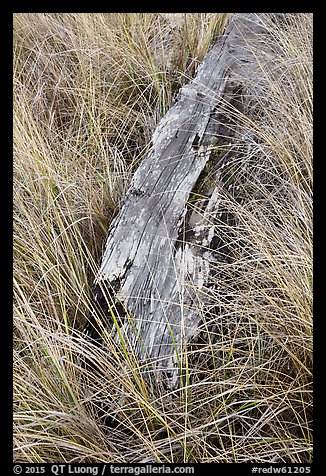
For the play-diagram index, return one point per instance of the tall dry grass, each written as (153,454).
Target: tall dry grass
(89,90)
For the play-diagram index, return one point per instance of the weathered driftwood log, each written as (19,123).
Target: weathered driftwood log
(157,260)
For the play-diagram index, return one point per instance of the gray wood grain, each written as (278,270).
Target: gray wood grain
(152,265)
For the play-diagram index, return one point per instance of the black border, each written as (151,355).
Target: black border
(166,6)
(6,247)
(6,29)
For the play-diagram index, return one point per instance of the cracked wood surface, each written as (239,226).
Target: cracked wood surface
(148,265)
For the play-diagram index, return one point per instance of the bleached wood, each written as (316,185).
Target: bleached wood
(151,263)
